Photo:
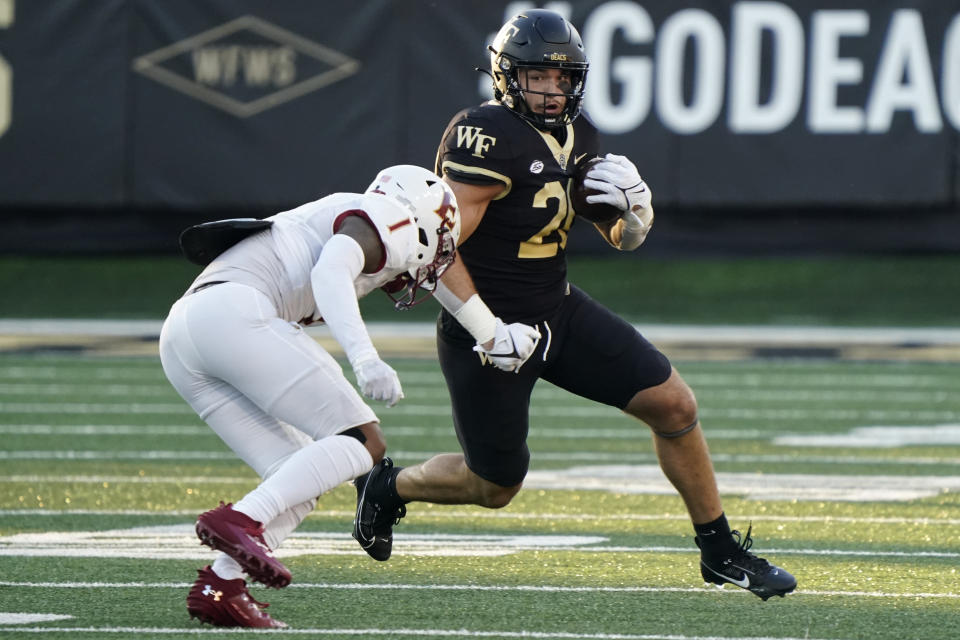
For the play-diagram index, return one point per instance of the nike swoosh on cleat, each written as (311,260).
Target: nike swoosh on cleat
(743,583)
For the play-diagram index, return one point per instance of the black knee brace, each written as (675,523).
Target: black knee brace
(676,434)
(354,432)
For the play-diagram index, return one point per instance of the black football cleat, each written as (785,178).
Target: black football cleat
(378,509)
(747,571)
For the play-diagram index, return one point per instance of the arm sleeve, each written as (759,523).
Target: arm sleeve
(332,280)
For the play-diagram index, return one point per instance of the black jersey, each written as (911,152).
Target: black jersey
(517,256)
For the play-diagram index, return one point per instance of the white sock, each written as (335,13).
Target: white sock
(306,475)
(227,568)
(284,524)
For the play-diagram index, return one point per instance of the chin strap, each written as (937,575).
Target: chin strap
(486,71)
(493,79)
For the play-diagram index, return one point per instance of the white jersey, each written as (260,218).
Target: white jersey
(277,262)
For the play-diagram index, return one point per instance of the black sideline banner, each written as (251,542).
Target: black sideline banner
(213,104)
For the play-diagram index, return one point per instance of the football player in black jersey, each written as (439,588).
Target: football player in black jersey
(510,163)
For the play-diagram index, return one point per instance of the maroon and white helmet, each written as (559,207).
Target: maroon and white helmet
(433,206)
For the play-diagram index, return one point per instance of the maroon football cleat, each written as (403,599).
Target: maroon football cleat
(241,537)
(226,603)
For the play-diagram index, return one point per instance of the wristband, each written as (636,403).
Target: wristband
(631,230)
(476,317)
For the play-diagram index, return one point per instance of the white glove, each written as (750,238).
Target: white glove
(512,344)
(378,381)
(620,183)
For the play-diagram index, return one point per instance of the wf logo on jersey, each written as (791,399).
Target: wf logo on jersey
(468,137)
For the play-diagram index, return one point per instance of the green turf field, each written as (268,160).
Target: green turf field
(852,291)
(847,471)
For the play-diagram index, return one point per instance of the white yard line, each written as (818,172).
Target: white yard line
(473,587)
(7,617)
(434,390)
(645,479)
(86,408)
(414,431)
(598,412)
(71,479)
(117,455)
(178,542)
(516,515)
(390,633)
(700,334)
(597,457)
(746,380)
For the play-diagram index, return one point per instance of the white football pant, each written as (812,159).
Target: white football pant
(272,394)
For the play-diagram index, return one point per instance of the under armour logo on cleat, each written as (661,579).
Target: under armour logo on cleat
(210,591)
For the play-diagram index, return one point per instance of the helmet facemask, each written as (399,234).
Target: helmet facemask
(411,288)
(520,99)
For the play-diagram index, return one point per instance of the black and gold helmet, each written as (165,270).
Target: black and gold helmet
(538,39)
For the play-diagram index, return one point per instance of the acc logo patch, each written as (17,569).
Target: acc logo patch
(536,166)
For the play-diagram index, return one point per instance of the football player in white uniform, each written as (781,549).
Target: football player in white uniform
(234,348)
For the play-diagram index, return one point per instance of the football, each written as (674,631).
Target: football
(597,213)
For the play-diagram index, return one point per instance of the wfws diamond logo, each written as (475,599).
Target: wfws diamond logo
(246,66)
